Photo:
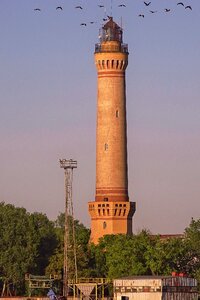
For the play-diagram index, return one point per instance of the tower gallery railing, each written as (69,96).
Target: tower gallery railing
(111,48)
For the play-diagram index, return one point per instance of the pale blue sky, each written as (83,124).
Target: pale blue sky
(48,106)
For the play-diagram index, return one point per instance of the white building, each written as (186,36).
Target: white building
(155,288)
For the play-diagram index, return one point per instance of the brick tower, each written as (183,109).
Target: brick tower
(111,212)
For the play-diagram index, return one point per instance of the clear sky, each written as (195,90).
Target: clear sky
(48,106)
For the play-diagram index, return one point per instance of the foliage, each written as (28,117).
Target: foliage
(192,241)
(166,256)
(30,243)
(144,254)
(45,239)
(82,235)
(121,255)
(26,242)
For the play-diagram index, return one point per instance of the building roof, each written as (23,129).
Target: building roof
(145,277)
(169,236)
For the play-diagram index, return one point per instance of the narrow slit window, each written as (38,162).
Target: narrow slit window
(117,64)
(117,113)
(106,147)
(104,225)
(108,64)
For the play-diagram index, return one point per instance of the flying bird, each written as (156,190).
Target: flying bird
(104,19)
(100,5)
(180,3)
(147,3)
(79,7)
(153,11)
(167,9)
(188,6)
(37,9)
(141,15)
(83,24)
(122,5)
(59,7)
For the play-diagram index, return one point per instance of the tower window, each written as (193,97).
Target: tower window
(106,147)
(104,225)
(117,64)
(108,64)
(121,65)
(124,298)
(105,199)
(117,114)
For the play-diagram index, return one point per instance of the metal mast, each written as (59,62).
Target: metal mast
(69,245)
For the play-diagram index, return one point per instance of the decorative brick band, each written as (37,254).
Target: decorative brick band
(112,198)
(100,191)
(107,73)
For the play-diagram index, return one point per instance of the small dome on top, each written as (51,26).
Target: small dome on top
(111,32)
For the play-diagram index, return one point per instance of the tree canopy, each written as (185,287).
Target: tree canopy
(26,243)
(31,243)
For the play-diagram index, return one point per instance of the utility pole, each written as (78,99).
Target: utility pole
(68,166)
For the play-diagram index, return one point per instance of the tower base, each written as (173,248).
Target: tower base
(110,218)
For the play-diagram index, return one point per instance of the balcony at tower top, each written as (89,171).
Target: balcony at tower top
(110,37)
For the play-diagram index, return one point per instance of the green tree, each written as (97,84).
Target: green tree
(166,256)
(82,235)
(46,241)
(192,244)
(26,243)
(121,255)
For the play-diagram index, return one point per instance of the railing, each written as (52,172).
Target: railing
(90,280)
(111,48)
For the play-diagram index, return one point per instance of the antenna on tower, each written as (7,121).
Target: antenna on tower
(121,22)
(111,7)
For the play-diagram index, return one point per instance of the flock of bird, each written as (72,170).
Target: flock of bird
(167,10)
(106,18)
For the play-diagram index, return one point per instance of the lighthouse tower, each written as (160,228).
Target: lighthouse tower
(111,212)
